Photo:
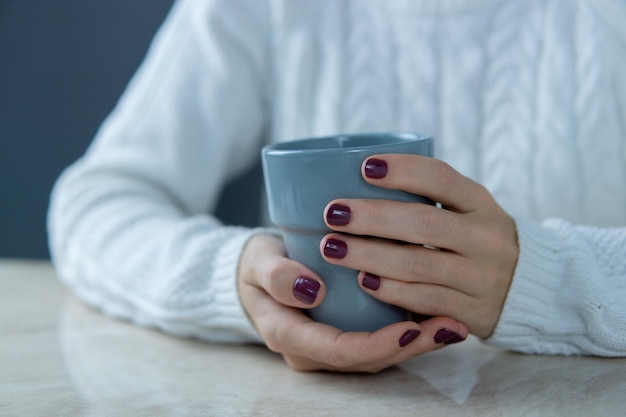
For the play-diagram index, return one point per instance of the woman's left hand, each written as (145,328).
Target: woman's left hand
(467,279)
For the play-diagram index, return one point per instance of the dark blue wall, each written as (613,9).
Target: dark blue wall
(63,65)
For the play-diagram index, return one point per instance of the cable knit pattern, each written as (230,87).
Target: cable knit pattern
(556,306)
(515,48)
(368,106)
(360,102)
(419,79)
(593,110)
(528,97)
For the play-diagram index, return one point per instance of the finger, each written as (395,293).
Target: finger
(433,334)
(291,283)
(424,176)
(407,222)
(352,351)
(408,263)
(434,300)
(285,280)
(443,331)
(429,299)
(264,311)
(288,331)
(307,345)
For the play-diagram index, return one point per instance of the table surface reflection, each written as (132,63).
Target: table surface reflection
(59,357)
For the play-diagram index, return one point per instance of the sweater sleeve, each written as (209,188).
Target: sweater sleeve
(568,295)
(128,225)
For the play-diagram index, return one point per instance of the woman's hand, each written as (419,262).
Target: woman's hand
(467,279)
(274,289)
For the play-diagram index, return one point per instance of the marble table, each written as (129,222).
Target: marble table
(61,358)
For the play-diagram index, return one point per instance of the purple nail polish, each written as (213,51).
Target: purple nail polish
(371,281)
(447,336)
(454,340)
(408,337)
(306,289)
(375,168)
(338,215)
(335,248)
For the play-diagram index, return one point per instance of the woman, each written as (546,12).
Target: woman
(526,98)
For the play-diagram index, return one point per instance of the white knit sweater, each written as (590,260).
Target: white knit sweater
(527,97)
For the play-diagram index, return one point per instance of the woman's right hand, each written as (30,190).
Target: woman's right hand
(274,289)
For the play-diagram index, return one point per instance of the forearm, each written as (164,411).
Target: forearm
(127,250)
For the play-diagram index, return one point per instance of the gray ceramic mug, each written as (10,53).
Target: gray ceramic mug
(301,178)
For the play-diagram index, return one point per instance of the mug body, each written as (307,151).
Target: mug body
(301,178)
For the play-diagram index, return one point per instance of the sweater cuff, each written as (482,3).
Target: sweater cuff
(233,317)
(530,319)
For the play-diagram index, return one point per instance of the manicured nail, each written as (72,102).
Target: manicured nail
(335,248)
(454,340)
(408,337)
(338,215)
(306,289)
(375,168)
(447,337)
(371,281)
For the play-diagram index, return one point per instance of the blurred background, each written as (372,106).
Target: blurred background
(63,65)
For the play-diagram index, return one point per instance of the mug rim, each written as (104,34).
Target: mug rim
(388,139)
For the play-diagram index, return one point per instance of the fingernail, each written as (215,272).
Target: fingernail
(408,337)
(371,281)
(454,340)
(447,337)
(375,168)
(335,248)
(338,215)
(306,289)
